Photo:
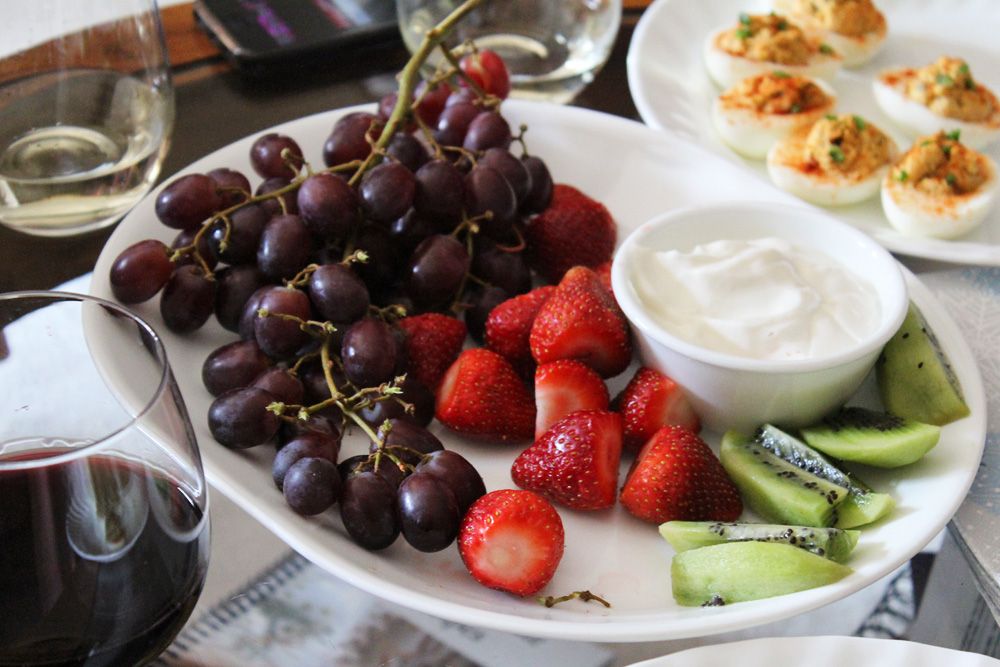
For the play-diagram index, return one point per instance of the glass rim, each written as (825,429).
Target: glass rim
(56,296)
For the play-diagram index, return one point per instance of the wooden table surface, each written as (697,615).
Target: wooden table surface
(217,105)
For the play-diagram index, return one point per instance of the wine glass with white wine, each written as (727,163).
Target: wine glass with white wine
(86,110)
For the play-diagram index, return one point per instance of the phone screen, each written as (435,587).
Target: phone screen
(255,28)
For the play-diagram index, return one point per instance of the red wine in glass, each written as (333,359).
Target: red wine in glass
(104,535)
(101,562)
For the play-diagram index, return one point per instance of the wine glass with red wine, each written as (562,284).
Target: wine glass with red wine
(103,509)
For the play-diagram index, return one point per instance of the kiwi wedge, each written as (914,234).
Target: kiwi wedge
(862,505)
(915,378)
(739,571)
(874,438)
(852,504)
(777,489)
(831,543)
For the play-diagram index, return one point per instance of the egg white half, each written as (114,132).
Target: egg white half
(784,166)
(751,133)
(916,213)
(727,70)
(917,120)
(856,51)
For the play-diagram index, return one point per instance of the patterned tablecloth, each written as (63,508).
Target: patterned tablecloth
(972,296)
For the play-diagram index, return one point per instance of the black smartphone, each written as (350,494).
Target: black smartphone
(262,33)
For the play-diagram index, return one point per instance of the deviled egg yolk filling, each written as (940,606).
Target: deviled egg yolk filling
(947,88)
(851,18)
(767,38)
(940,165)
(775,93)
(846,144)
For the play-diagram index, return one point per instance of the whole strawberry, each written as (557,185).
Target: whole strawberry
(677,477)
(481,396)
(433,342)
(575,462)
(573,230)
(582,321)
(512,540)
(563,387)
(650,401)
(508,327)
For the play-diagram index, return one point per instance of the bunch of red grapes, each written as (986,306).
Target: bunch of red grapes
(314,268)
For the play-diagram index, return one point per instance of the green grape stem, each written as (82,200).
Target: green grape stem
(409,78)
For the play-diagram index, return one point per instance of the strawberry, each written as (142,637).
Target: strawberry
(565,386)
(488,70)
(575,462)
(573,230)
(481,396)
(512,540)
(433,342)
(603,272)
(650,401)
(677,477)
(508,326)
(581,321)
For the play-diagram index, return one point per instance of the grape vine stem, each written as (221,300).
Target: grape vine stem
(409,78)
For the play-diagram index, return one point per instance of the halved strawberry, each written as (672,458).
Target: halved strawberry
(481,396)
(512,540)
(582,321)
(650,401)
(433,342)
(566,386)
(508,326)
(573,230)
(677,477)
(575,462)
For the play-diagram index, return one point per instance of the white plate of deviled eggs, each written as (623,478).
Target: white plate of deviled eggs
(852,112)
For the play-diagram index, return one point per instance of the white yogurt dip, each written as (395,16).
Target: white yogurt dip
(763,299)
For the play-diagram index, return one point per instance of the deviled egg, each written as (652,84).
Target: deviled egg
(939,188)
(855,29)
(764,108)
(765,42)
(840,160)
(940,96)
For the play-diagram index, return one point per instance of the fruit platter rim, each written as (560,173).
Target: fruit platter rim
(245,476)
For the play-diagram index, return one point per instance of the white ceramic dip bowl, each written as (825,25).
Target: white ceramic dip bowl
(733,390)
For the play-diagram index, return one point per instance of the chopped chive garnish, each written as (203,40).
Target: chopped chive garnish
(925,142)
(825,49)
(944,80)
(795,108)
(744,33)
(953,135)
(946,149)
(950,179)
(970,84)
(831,116)
(837,155)
(744,18)
(782,24)
(963,68)
(859,123)
(902,176)
(779,74)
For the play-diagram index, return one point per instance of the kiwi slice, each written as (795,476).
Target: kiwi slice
(874,438)
(738,571)
(831,543)
(862,505)
(914,377)
(776,489)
